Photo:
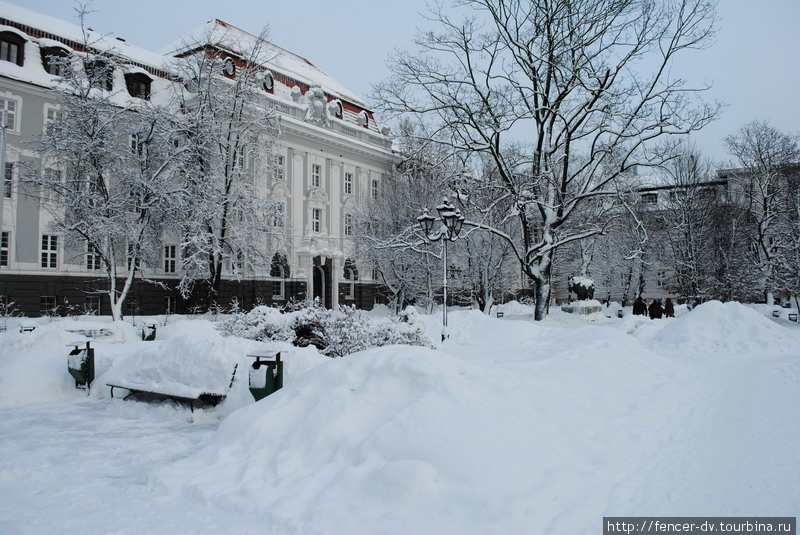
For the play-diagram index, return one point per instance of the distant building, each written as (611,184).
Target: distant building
(331,154)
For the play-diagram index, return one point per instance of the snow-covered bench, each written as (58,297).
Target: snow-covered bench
(94,334)
(176,392)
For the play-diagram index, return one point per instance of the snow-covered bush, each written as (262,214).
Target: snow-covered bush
(334,333)
(261,323)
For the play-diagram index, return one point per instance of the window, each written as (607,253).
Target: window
(348,224)
(8,180)
(49,251)
(170,258)
(277,215)
(237,262)
(100,73)
(4,239)
(350,273)
(374,189)
(277,289)
(12,48)
(138,145)
(132,252)
(229,67)
(169,305)
(10,106)
(661,276)
(47,305)
(92,258)
(49,193)
(93,305)
(279,269)
(240,158)
(316,215)
(268,82)
(316,172)
(54,60)
(131,305)
(138,85)
(348,183)
(650,198)
(280,162)
(52,115)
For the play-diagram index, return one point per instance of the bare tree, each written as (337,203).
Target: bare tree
(588,85)
(388,237)
(231,131)
(109,171)
(766,161)
(686,223)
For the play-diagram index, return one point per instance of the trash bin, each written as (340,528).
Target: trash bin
(266,375)
(149,332)
(80,364)
(620,313)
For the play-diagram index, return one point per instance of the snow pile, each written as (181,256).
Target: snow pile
(725,329)
(411,440)
(514,308)
(33,365)
(585,303)
(586,282)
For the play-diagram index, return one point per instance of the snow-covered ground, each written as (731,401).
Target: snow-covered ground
(508,427)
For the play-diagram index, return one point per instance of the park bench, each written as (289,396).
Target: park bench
(185,395)
(94,334)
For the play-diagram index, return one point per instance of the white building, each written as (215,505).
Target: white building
(331,154)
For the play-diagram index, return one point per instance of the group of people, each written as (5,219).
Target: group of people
(655,310)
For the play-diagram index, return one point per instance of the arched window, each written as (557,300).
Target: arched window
(12,48)
(54,60)
(138,85)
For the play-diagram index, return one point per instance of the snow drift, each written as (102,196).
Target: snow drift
(728,330)
(411,440)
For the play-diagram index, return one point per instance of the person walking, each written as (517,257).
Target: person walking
(655,309)
(639,307)
(669,308)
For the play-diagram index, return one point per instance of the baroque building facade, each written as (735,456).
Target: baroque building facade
(330,156)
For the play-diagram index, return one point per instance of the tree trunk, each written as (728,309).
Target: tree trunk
(542,292)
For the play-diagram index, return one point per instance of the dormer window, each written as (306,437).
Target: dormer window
(269,82)
(650,198)
(12,48)
(138,85)
(54,60)
(100,73)
(336,108)
(229,67)
(363,119)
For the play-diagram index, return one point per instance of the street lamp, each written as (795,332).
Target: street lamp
(451,221)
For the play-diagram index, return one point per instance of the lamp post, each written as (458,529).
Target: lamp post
(451,220)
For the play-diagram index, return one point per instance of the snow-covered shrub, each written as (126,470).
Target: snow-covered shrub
(261,323)
(334,333)
(309,327)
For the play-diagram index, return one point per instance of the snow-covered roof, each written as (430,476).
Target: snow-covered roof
(228,37)
(57,30)
(294,75)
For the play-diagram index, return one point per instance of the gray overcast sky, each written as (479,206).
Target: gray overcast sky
(753,64)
